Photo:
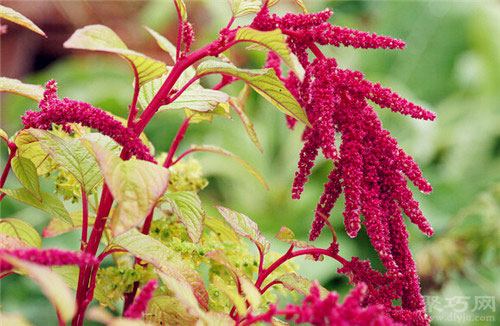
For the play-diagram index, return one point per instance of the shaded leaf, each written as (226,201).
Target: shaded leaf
(52,285)
(223,232)
(165,259)
(10,85)
(14,16)
(21,230)
(187,206)
(218,150)
(135,184)
(239,107)
(49,204)
(163,43)
(168,311)
(263,81)
(25,171)
(102,38)
(244,226)
(57,227)
(294,282)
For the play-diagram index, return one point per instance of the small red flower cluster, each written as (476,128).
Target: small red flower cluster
(62,112)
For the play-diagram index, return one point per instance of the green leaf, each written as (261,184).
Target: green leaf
(69,275)
(244,7)
(25,171)
(223,232)
(163,43)
(273,40)
(168,311)
(102,38)
(13,318)
(187,206)
(135,184)
(294,282)
(49,204)
(181,9)
(34,92)
(29,147)
(263,81)
(287,235)
(4,135)
(244,226)
(52,286)
(232,294)
(214,149)
(239,107)
(14,16)
(21,230)
(72,155)
(165,259)
(57,227)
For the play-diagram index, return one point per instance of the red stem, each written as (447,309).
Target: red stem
(85,218)
(133,107)
(13,150)
(175,143)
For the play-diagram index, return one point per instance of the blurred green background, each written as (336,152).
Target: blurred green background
(451,66)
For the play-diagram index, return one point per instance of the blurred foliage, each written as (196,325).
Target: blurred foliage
(451,65)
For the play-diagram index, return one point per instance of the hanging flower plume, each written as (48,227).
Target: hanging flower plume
(62,112)
(370,169)
(48,257)
(140,304)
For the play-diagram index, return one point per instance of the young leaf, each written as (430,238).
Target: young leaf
(264,81)
(214,149)
(302,285)
(168,311)
(51,284)
(69,275)
(21,230)
(223,232)
(135,184)
(102,38)
(57,227)
(181,9)
(165,259)
(29,147)
(273,40)
(244,226)
(14,16)
(287,235)
(25,171)
(187,206)
(49,204)
(72,155)
(163,43)
(34,92)
(244,7)
(239,107)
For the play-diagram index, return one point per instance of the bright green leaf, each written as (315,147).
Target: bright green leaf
(21,230)
(181,9)
(168,311)
(244,226)
(239,107)
(223,232)
(102,38)
(187,206)
(294,282)
(72,155)
(273,40)
(163,43)
(34,92)
(244,7)
(29,147)
(52,285)
(264,81)
(214,149)
(49,204)
(57,227)
(135,184)
(25,172)
(14,16)
(165,259)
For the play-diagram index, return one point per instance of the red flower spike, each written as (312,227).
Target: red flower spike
(140,304)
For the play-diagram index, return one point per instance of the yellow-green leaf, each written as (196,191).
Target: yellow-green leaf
(10,85)
(29,147)
(165,259)
(302,285)
(244,226)
(187,206)
(244,7)
(223,232)
(21,230)
(231,293)
(287,235)
(214,149)
(49,204)
(14,16)
(168,311)
(135,184)
(181,9)
(239,107)
(252,294)
(25,172)
(4,135)
(102,38)
(57,227)
(52,286)
(273,40)
(263,81)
